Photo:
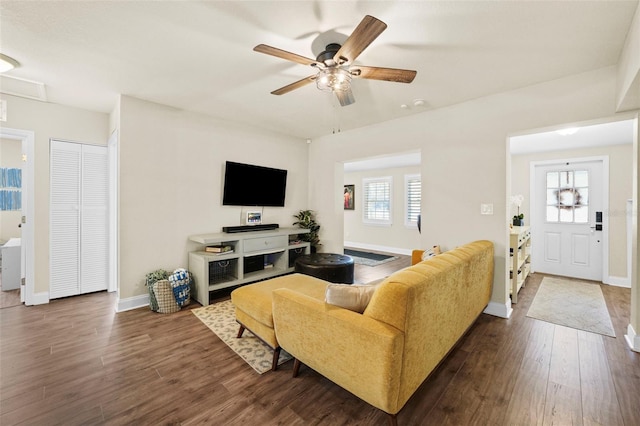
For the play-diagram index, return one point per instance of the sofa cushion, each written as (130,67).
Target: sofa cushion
(352,297)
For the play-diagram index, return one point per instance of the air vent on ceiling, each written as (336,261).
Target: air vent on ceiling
(24,88)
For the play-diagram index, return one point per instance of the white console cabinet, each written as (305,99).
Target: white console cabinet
(520,255)
(256,255)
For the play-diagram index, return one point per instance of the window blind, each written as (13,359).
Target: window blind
(413,195)
(377,200)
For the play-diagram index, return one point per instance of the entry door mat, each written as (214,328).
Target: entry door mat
(571,303)
(368,258)
(221,319)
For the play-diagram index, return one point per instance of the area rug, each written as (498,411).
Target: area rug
(221,319)
(368,258)
(575,304)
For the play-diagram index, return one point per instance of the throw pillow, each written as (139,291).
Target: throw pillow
(432,252)
(181,282)
(352,297)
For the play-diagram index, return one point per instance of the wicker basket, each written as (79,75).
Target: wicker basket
(163,292)
(222,270)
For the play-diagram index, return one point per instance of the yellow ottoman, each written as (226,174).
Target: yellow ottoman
(253,305)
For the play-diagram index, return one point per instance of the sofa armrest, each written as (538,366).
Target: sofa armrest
(358,353)
(416,256)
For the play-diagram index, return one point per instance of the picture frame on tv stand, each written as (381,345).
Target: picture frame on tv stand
(253,217)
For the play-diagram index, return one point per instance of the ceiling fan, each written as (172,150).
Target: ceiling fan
(335,64)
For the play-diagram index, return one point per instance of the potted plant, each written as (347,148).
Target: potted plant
(307,220)
(518,219)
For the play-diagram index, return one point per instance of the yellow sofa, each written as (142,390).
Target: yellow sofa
(413,320)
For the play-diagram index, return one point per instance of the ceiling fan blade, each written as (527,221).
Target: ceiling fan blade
(387,74)
(283,54)
(293,86)
(367,31)
(345,98)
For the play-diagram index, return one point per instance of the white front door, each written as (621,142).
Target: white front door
(567,218)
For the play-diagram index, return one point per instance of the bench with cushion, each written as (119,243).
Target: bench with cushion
(253,305)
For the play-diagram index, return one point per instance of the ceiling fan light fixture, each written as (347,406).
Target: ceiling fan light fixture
(7,63)
(333,79)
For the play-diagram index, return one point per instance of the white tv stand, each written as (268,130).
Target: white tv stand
(212,271)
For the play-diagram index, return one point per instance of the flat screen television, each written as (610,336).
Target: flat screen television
(250,185)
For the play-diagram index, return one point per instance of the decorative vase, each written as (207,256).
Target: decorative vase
(518,222)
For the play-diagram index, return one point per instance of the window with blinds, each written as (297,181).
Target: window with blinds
(377,200)
(568,196)
(412,198)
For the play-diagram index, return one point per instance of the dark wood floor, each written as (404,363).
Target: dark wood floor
(76,362)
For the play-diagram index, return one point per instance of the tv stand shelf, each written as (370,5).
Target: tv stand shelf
(256,256)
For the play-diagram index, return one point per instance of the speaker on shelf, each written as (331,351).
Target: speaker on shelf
(249,228)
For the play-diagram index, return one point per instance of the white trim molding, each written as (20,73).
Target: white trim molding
(618,281)
(134,302)
(499,310)
(633,339)
(39,298)
(406,252)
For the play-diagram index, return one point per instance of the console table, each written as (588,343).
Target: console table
(520,258)
(255,255)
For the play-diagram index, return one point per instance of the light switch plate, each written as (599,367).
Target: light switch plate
(486,208)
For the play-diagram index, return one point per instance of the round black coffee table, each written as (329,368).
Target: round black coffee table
(335,268)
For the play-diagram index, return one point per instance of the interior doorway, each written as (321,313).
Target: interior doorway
(12,273)
(392,174)
(610,139)
(26,139)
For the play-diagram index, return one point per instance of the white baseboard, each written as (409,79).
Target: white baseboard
(499,309)
(633,340)
(619,281)
(40,298)
(387,249)
(132,303)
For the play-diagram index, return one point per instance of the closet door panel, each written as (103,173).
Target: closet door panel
(64,259)
(78,222)
(64,226)
(94,258)
(94,236)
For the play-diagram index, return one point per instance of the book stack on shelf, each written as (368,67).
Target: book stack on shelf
(219,249)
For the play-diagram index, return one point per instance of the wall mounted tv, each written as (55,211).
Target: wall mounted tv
(250,185)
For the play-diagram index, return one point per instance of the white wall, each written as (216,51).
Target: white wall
(464,151)
(620,190)
(171,175)
(397,238)
(628,83)
(48,121)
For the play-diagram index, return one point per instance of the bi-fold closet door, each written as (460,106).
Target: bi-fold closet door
(79,234)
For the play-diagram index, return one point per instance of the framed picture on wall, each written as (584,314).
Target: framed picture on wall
(349,193)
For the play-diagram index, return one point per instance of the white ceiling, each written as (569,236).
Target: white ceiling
(197,55)
(602,134)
